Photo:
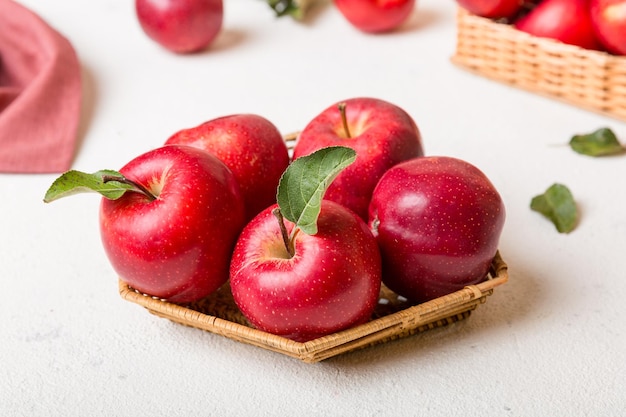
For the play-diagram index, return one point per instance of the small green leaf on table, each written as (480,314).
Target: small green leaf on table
(602,142)
(558,205)
(304,183)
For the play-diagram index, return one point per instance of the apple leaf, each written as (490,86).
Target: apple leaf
(294,8)
(558,205)
(304,183)
(601,142)
(75,182)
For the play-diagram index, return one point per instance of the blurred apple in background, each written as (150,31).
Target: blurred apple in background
(375,16)
(568,21)
(609,21)
(493,9)
(251,146)
(182,26)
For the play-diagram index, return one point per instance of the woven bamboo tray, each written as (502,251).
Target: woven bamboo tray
(393,318)
(592,80)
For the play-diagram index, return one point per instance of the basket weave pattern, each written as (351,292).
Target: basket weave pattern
(394,318)
(592,80)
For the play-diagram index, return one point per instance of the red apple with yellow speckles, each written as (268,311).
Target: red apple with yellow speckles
(329,283)
(438,222)
(307,267)
(173,236)
(250,146)
(382,134)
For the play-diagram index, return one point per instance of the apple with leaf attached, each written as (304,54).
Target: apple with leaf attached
(251,146)
(307,267)
(381,133)
(437,221)
(168,220)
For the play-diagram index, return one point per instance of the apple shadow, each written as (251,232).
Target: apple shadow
(509,306)
(420,19)
(228,38)
(315,12)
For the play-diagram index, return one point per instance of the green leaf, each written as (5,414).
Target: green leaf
(294,8)
(602,142)
(304,183)
(75,182)
(558,205)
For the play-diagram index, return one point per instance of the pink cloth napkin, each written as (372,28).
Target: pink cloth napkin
(40,94)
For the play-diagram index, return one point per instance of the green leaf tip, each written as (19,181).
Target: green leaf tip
(75,182)
(602,142)
(294,8)
(558,205)
(304,183)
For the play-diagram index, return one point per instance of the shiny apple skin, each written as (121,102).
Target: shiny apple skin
(383,135)
(375,16)
(178,246)
(181,26)
(330,284)
(609,22)
(493,9)
(568,21)
(251,146)
(438,221)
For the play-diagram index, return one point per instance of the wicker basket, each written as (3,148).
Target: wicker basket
(392,319)
(592,80)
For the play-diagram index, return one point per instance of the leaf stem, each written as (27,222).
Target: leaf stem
(138,187)
(344,119)
(287,240)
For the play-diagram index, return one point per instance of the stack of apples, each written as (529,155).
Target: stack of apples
(218,204)
(590,24)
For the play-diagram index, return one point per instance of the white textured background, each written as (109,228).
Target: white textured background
(550,342)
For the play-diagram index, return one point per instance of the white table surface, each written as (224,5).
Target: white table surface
(551,342)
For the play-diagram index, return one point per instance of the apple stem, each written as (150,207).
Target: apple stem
(287,240)
(138,187)
(344,119)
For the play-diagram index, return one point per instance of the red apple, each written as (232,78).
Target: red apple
(381,133)
(493,9)
(177,243)
(182,26)
(437,221)
(253,149)
(375,16)
(330,283)
(568,21)
(609,22)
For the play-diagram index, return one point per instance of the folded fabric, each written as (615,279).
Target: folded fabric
(40,94)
